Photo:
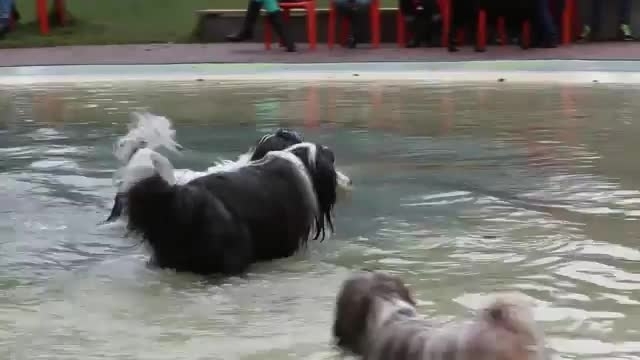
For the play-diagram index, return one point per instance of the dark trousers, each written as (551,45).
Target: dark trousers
(544,20)
(408,7)
(624,13)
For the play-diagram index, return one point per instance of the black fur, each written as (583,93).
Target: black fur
(324,181)
(280,140)
(118,207)
(223,222)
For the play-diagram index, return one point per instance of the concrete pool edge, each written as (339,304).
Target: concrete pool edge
(526,71)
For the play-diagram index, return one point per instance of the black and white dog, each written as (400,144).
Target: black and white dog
(376,318)
(140,136)
(223,222)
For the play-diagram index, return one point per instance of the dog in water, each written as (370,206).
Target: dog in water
(149,131)
(226,220)
(376,318)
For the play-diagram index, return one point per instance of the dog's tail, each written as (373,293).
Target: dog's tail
(514,313)
(146,131)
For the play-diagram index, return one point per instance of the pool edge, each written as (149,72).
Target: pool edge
(527,71)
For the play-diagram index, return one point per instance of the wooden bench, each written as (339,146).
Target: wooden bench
(240,12)
(213,24)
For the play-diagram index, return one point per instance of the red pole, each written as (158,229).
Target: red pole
(445,11)
(567,17)
(43,17)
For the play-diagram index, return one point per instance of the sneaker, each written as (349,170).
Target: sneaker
(586,34)
(625,30)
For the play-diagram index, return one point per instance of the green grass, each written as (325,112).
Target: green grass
(99,22)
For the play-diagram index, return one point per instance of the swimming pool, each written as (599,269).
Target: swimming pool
(462,189)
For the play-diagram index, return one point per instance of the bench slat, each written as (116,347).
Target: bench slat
(241,11)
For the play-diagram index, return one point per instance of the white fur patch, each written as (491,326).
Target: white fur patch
(183,176)
(228,165)
(311,155)
(144,164)
(146,130)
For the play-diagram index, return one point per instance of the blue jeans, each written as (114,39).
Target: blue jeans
(5,11)
(624,13)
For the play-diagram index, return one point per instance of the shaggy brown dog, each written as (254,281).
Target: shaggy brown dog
(376,318)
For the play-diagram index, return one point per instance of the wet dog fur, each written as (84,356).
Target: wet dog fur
(376,318)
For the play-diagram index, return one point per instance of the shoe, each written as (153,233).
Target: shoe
(275,19)
(352,42)
(250,18)
(625,31)
(585,35)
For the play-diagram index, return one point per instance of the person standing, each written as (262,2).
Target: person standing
(592,23)
(274,16)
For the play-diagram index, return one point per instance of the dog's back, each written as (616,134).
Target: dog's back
(375,318)
(264,197)
(503,330)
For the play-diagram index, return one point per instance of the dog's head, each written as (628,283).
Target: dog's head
(280,140)
(356,304)
(319,162)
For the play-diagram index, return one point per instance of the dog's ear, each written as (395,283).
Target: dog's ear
(325,182)
(350,322)
(394,286)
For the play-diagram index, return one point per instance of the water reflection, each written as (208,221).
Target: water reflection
(462,190)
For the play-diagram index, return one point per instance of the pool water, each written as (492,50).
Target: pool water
(462,190)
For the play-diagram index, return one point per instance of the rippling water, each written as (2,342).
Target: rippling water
(461,190)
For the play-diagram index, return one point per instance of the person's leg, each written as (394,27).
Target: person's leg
(250,18)
(275,19)
(409,14)
(355,11)
(545,24)
(427,16)
(456,14)
(624,19)
(5,16)
(14,11)
(359,20)
(591,28)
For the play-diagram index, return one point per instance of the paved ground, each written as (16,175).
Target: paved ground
(255,53)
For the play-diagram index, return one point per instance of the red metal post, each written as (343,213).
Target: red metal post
(43,17)
(567,20)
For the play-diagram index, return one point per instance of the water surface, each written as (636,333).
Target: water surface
(462,190)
